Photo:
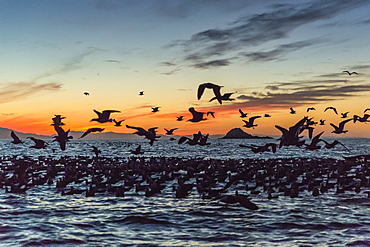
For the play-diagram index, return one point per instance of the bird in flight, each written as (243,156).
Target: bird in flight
(322,122)
(224,97)
(170,131)
(39,144)
(57,120)
(149,134)
(331,108)
(216,90)
(91,130)
(141,93)
(155,109)
(250,122)
(62,137)
(292,111)
(180,118)
(344,114)
(96,151)
(118,123)
(350,73)
(267,115)
(212,113)
(242,114)
(311,109)
(197,116)
(340,129)
(16,139)
(103,117)
(137,150)
(86,93)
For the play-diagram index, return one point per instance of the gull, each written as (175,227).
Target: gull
(340,129)
(292,111)
(137,150)
(91,130)
(267,115)
(141,93)
(212,113)
(367,109)
(224,97)
(363,119)
(118,123)
(250,122)
(216,90)
(332,108)
(203,140)
(180,118)
(86,93)
(322,121)
(313,145)
(155,109)
(311,109)
(62,137)
(242,114)
(57,120)
(344,114)
(16,139)
(291,136)
(333,144)
(39,144)
(194,141)
(96,151)
(103,117)
(149,134)
(170,131)
(350,73)
(197,116)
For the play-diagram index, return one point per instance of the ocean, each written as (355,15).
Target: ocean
(44,216)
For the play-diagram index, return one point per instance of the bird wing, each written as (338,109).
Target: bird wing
(86,133)
(284,131)
(14,136)
(201,89)
(132,127)
(334,126)
(106,113)
(241,112)
(341,124)
(216,91)
(98,112)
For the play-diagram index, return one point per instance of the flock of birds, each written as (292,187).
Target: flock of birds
(212,179)
(290,137)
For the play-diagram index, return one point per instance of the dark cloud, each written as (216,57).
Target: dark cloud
(258,29)
(171,72)
(112,61)
(212,64)
(272,87)
(278,52)
(20,90)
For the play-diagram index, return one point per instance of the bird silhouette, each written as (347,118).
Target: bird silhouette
(62,138)
(216,90)
(250,122)
(350,73)
(329,145)
(170,131)
(96,151)
(367,109)
(155,109)
(267,115)
(149,134)
(292,111)
(331,108)
(57,120)
(212,113)
(141,93)
(291,136)
(260,149)
(39,144)
(16,139)
(322,122)
(311,109)
(224,97)
(313,145)
(137,150)
(103,117)
(180,118)
(242,114)
(91,130)
(197,116)
(363,119)
(340,129)
(118,123)
(86,93)
(344,114)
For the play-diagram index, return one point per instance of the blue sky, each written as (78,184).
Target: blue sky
(271,55)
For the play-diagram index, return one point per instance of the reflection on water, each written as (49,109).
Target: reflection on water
(42,216)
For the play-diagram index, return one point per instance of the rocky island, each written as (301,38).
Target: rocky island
(238,133)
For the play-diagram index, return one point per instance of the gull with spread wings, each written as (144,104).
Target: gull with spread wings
(216,90)
(103,117)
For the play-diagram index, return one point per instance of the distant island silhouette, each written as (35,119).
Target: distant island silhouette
(238,133)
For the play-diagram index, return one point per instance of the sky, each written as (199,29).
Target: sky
(272,55)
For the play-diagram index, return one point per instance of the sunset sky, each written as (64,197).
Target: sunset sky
(272,55)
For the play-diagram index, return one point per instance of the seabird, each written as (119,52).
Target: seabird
(224,97)
(137,150)
(340,129)
(216,90)
(117,123)
(103,117)
(91,130)
(197,116)
(155,109)
(39,144)
(96,151)
(180,118)
(212,113)
(250,122)
(149,134)
(344,114)
(170,131)
(86,93)
(242,114)
(363,119)
(141,93)
(62,137)
(311,109)
(332,108)
(16,139)
(350,73)
(292,111)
